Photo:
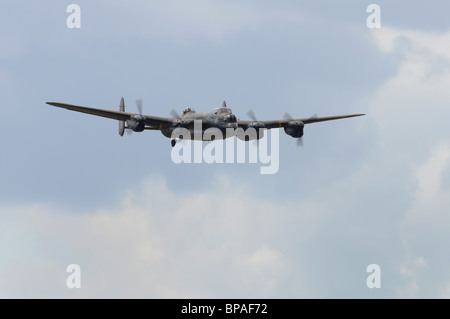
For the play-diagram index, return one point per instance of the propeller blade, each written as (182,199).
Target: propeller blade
(224,104)
(174,114)
(129,132)
(251,115)
(139,105)
(287,116)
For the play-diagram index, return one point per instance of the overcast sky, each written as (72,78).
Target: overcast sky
(368,190)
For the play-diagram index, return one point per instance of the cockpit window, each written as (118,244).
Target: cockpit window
(188,110)
(230,118)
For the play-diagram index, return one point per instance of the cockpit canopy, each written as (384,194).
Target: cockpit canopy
(222,110)
(230,118)
(188,110)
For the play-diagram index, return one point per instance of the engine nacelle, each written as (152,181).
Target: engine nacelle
(136,124)
(180,123)
(294,128)
(254,131)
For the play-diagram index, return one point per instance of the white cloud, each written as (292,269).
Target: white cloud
(429,175)
(424,230)
(410,271)
(266,265)
(445,292)
(388,40)
(411,113)
(409,107)
(155,244)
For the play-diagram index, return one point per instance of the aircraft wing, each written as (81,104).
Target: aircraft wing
(283,123)
(152,121)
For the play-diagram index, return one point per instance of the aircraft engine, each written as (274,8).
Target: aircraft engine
(294,128)
(181,123)
(136,124)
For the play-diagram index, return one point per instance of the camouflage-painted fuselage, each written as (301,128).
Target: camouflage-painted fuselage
(197,123)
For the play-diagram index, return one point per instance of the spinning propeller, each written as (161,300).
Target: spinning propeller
(287,116)
(139,107)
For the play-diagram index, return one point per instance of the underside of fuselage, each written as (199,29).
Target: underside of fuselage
(209,134)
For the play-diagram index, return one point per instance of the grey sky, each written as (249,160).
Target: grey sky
(361,191)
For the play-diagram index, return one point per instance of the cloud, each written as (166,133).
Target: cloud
(410,111)
(429,175)
(424,229)
(390,39)
(415,100)
(266,264)
(410,271)
(155,244)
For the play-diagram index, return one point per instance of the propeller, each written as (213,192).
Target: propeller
(288,117)
(179,120)
(251,115)
(139,105)
(174,114)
